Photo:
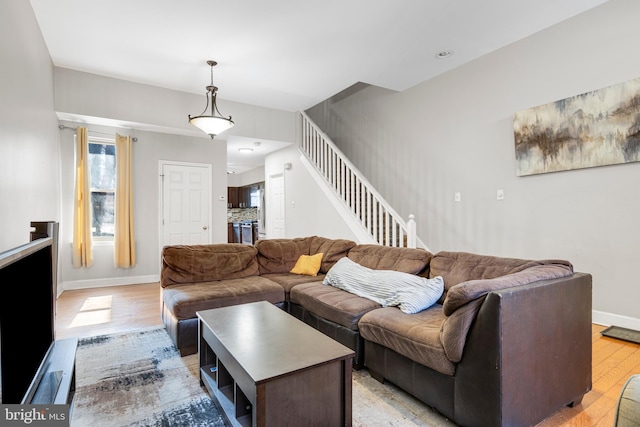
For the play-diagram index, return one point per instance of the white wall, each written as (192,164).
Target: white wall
(148,107)
(29,154)
(454,134)
(246,178)
(308,212)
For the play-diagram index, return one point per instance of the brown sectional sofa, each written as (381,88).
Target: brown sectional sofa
(199,277)
(507,344)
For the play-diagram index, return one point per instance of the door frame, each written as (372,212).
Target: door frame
(161,164)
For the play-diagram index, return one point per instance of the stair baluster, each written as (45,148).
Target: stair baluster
(368,207)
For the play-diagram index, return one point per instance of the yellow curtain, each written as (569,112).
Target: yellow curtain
(124,242)
(82,249)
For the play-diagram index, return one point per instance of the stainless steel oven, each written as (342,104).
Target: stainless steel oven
(247,232)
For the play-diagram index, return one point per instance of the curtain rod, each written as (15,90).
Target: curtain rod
(62,127)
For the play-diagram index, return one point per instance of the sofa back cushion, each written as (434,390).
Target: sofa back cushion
(377,257)
(458,267)
(205,263)
(333,250)
(280,255)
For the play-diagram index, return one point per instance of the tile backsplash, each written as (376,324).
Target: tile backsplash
(242,214)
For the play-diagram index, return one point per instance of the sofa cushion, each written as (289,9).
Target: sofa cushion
(415,336)
(185,300)
(406,260)
(289,280)
(204,263)
(332,304)
(308,265)
(386,287)
(280,255)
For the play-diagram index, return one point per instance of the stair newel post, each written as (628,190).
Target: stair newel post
(411,232)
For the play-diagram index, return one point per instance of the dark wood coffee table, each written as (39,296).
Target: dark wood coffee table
(267,368)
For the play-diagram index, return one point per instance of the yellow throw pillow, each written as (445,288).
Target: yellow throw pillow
(308,265)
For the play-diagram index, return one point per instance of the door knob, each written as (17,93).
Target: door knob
(204,227)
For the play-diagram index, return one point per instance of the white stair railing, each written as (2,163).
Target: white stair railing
(375,215)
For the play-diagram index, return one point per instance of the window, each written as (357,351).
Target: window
(102,183)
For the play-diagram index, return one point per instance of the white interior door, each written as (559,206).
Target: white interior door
(276,207)
(186,204)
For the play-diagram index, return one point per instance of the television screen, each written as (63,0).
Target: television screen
(27,315)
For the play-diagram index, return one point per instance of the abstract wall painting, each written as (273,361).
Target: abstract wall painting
(596,128)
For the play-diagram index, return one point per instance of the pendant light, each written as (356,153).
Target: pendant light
(215,123)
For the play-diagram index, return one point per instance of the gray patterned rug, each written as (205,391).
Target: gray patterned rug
(139,379)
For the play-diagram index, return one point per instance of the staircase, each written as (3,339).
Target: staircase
(375,221)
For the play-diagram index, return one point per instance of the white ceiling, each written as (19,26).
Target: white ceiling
(285,54)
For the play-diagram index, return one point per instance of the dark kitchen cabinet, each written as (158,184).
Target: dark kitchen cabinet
(240,197)
(247,192)
(233,200)
(237,233)
(243,197)
(230,233)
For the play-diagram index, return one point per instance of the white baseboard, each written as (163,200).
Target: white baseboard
(111,281)
(609,319)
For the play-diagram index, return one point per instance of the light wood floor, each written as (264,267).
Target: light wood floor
(98,311)
(89,312)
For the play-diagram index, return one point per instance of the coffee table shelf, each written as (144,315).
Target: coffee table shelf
(230,400)
(267,368)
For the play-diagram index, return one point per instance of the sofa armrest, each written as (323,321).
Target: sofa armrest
(463,301)
(527,354)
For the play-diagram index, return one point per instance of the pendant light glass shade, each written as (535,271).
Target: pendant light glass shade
(211,125)
(214,123)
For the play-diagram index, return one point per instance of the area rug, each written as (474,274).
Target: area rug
(139,379)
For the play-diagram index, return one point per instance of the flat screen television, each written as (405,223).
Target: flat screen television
(27,316)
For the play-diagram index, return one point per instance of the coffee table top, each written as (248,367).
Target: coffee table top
(267,342)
